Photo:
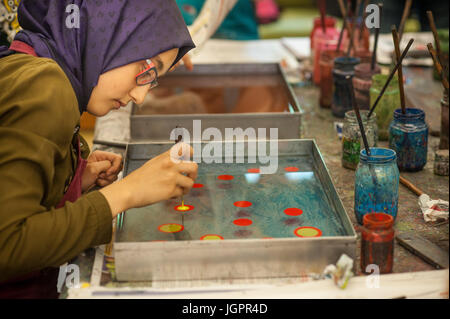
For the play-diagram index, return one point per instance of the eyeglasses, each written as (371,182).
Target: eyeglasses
(148,76)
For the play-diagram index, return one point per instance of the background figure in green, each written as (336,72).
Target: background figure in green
(239,24)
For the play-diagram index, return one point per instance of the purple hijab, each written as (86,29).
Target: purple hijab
(111,33)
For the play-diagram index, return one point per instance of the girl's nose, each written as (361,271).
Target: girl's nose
(138,94)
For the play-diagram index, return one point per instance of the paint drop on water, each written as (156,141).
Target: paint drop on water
(225,177)
(243,203)
(293,211)
(242,222)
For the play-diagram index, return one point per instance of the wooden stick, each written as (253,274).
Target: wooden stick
(322,8)
(438,66)
(390,77)
(435,35)
(406,11)
(358,115)
(375,45)
(352,29)
(410,186)
(363,22)
(344,12)
(400,69)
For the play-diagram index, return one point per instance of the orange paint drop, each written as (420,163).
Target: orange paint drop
(242,222)
(291,169)
(293,211)
(242,203)
(225,177)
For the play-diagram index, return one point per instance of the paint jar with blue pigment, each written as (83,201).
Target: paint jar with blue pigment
(342,97)
(408,137)
(376,183)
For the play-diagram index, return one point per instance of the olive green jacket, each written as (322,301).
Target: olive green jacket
(38,117)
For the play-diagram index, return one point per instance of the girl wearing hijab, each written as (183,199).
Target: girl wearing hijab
(54,71)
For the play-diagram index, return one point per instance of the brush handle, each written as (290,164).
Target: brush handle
(375,45)
(400,69)
(438,66)
(390,77)
(410,186)
(435,35)
(406,11)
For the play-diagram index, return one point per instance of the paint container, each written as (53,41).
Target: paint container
(441,162)
(352,141)
(342,101)
(408,137)
(330,23)
(377,243)
(443,144)
(323,42)
(376,183)
(387,104)
(362,81)
(326,65)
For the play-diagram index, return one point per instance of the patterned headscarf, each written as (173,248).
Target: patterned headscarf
(107,35)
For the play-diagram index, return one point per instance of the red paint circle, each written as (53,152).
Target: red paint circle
(214,237)
(242,222)
(254,170)
(242,203)
(317,230)
(183,211)
(197,186)
(178,227)
(293,211)
(225,177)
(291,169)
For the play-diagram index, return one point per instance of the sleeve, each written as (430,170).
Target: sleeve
(208,21)
(33,140)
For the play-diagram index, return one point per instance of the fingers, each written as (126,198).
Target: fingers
(98,167)
(188,62)
(114,159)
(189,168)
(181,152)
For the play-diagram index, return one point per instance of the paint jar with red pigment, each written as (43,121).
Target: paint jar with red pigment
(330,22)
(323,42)
(362,81)
(377,243)
(326,65)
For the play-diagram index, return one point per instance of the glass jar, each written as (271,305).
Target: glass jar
(443,144)
(352,140)
(377,242)
(342,97)
(387,104)
(376,183)
(408,137)
(326,64)
(323,42)
(362,81)
(330,22)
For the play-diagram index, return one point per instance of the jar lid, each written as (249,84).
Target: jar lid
(345,63)
(364,71)
(411,114)
(351,116)
(378,155)
(378,220)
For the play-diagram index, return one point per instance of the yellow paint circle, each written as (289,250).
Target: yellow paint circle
(183,208)
(170,228)
(211,237)
(308,232)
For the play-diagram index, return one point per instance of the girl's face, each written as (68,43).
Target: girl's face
(117,87)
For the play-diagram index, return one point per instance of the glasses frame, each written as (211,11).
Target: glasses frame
(151,67)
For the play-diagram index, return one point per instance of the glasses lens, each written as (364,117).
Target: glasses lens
(147,77)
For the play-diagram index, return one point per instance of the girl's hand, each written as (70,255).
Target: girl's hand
(101,170)
(159,179)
